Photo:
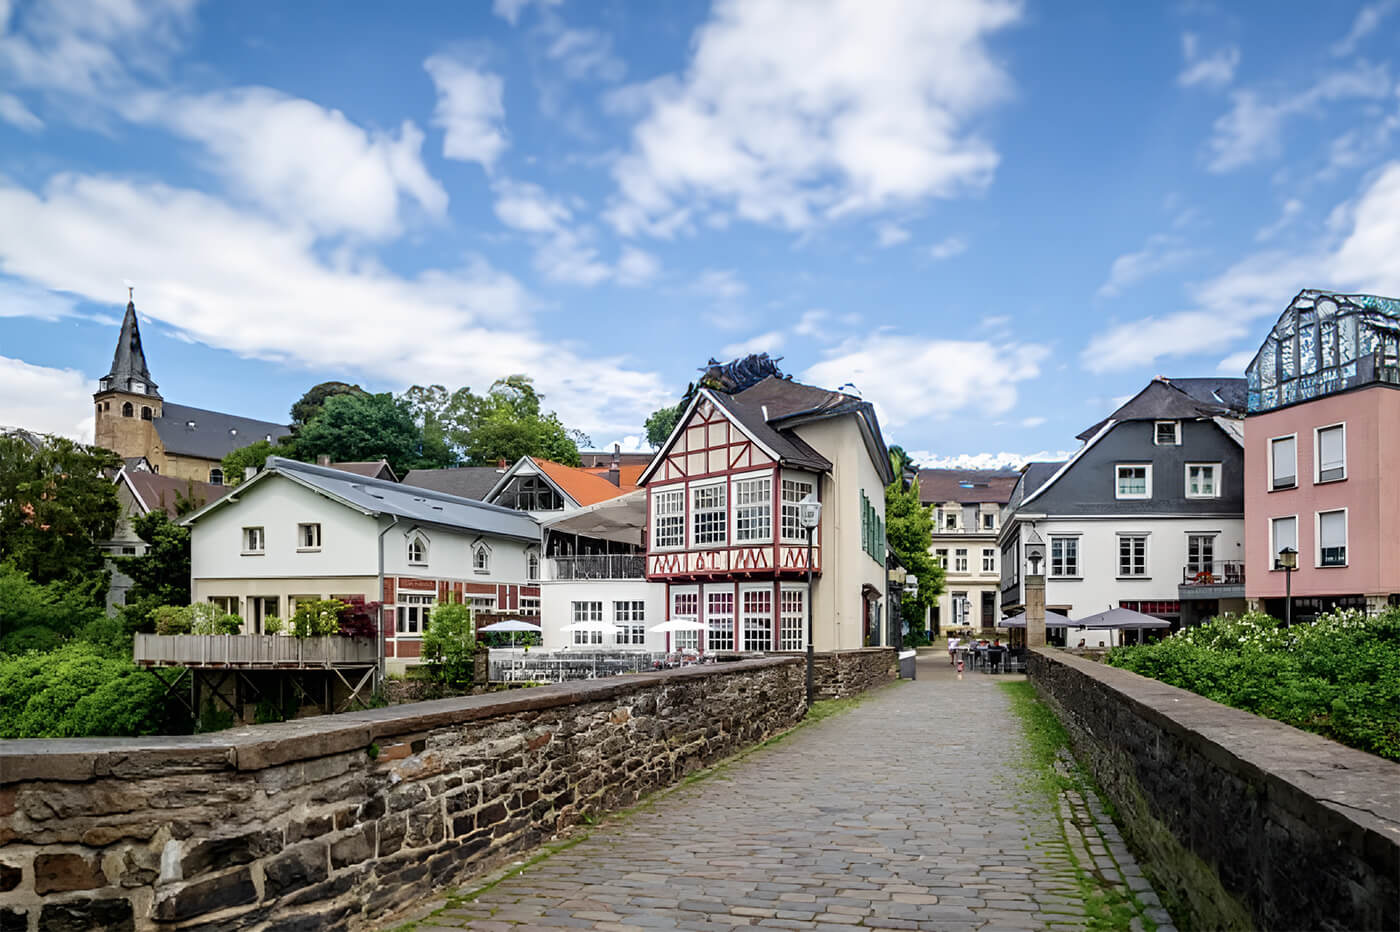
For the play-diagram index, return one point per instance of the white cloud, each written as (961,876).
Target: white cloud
(572,259)
(891,234)
(637,267)
(1141,342)
(928,460)
(911,378)
(948,248)
(769,125)
(238,281)
(44,400)
(470,110)
(1032,421)
(1214,70)
(1252,130)
(1235,363)
(14,112)
(812,323)
(584,53)
(564,254)
(723,284)
(528,207)
(1367,19)
(1287,214)
(510,10)
(18,299)
(1161,252)
(769,342)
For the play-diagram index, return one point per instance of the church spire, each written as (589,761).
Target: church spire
(129,372)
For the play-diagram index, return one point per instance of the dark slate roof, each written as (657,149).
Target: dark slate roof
(155,491)
(378,469)
(129,360)
(1174,399)
(966,485)
(214,434)
(791,449)
(463,481)
(1033,476)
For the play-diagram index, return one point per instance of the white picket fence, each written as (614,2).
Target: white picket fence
(251,650)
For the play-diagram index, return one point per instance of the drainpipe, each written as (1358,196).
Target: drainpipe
(380,600)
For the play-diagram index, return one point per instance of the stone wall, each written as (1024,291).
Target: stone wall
(1245,822)
(843,673)
(323,823)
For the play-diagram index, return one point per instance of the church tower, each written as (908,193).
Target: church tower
(127,399)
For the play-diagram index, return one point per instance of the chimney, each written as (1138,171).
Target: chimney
(615,468)
(323,459)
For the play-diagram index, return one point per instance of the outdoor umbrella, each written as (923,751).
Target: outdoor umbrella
(1052,620)
(1123,618)
(678,624)
(511,625)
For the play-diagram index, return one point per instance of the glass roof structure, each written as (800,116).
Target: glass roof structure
(1325,343)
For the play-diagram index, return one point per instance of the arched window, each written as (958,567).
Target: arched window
(532,565)
(145,413)
(216,476)
(417,549)
(481,558)
(126,410)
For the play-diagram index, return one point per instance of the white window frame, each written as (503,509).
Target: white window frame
(1146,538)
(1050,556)
(667,495)
(216,475)
(530,605)
(725,638)
(989,520)
(960,559)
(792,621)
(261,548)
(745,617)
(1346,539)
(760,510)
(722,510)
(1215,470)
(1176,432)
(481,558)
(630,615)
(302,535)
(1207,566)
(1273,551)
(532,565)
(940,556)
(794,489)
(587,610)
(1317,453)
(413,606)
(989,556)
(1118,481)
(1270,451)
(422,542)
(686,640)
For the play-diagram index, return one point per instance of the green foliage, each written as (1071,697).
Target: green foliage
(160,576)
(56,504)
(505,423)
(34,637)
(172,619)
(449,645)
(360,427)
(229,624)
(77,691)
(1338,677)
(213,717)
(662,422)
(254,455)
(273,625)
(305,409)
(317,619)
(63,609)
(909,532)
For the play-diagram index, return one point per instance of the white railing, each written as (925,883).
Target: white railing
(597,566)
(251,650)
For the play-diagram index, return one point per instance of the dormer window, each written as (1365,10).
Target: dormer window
(417,549)
(138,387)
(1167,433)
(481,559)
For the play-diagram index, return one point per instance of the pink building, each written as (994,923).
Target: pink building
(1322,456)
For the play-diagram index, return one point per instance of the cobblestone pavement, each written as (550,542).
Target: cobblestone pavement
(912,810)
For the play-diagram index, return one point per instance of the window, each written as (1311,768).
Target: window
(1283,532)
(793,609)
(1167,433)
(685,604)
(1331,454)
(989,521)
(669,514)
(532,565)
(145,412)
(413,610)
(960,560)
(126,409)
(260,609)
(757,618)
(228,604)
(481,559)
(709,515)
(530,605)
(872,528)
(753,509)
(794,491)
(940,556)
(719,620)
(1200,553)
(1132,555)
(1283,463)
(585,612)
(631,618)
(481,604)
(960,606)
(1064,556)
(216,476)
(1332,538)
(1134,481)
(950,519)
(253,540)
(530,493)
(417,549)
(1202,480)
(308,537)
(989,560)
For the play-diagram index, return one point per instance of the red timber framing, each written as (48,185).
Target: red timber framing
(709,450)
(506,595)
(740,635)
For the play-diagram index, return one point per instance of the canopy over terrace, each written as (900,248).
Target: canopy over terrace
(1124,618)
(620,520)
(1052,620)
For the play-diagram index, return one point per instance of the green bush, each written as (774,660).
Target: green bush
(173,619)
(204,618)
(229,624)
(449,644)
(61,608)
(77,690)
(317,619)
(273,625)
(30,638)
(1338,677)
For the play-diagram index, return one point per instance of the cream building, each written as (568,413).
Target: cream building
(967,508)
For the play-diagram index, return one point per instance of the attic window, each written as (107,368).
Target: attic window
(1167,433)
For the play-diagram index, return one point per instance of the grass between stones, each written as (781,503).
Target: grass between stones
(1055,772)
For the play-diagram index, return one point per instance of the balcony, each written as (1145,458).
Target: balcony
(596,566)
(254,651)
(1220,580)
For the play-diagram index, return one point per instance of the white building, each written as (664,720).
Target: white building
(967,519)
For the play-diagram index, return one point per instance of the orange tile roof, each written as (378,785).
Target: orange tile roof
(627,475)
(583,486)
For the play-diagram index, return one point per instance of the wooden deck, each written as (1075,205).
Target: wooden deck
(252,651)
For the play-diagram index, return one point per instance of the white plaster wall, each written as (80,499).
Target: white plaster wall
(557,598)
(450,555)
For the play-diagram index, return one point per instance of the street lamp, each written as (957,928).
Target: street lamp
(809,513)
(1288,562)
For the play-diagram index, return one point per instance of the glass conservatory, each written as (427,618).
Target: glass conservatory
(1326,343)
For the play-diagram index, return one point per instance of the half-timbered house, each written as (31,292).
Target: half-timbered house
(724,533)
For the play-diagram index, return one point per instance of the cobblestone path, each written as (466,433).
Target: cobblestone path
(912,810)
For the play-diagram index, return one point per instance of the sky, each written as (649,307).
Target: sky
(995,220)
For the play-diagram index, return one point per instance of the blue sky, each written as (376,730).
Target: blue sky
(993,218)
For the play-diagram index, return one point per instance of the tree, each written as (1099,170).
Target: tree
(449,644)
(35,617)
(56,504)
(255,455)
(351,428)
(309,405)
(436,413)
(662,422)
(506,423)
(160,576)
(909,531)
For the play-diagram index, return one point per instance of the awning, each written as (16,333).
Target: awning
(1124,618)
(1052,620)
(618,519)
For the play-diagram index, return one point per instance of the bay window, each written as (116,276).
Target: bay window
(709,515)
(753,509)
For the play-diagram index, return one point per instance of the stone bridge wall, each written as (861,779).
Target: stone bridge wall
(322,823)
(1244,821)
(838,674)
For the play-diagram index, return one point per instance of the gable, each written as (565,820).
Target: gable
(707,441)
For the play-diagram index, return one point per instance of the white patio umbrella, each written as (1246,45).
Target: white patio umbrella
(510,625)
(606,627)
(677,624)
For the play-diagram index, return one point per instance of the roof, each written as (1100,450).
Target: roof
(1175,399)
(380,469)
(153,490)
(462,481)
(583,487)
(214,434)
(620,519)
(791,449)
(627,476)
(1033,476)
(967,485)
(379,497)
(129,360)
(591,459)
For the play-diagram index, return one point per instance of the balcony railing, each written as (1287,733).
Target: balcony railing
(1222,573)
(597,566)
(251,650)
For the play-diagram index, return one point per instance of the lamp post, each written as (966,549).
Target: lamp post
(809,512)
(1288,562)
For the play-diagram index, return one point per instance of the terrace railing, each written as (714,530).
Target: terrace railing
(597,566)
(251,650)
(1220,573)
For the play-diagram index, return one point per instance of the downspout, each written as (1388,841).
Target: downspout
(380,600)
